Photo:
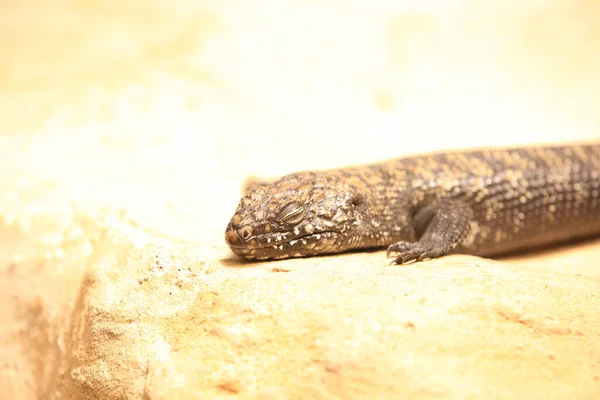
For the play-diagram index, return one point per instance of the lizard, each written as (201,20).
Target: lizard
(484,202)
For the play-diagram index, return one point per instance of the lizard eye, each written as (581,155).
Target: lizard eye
(292,214)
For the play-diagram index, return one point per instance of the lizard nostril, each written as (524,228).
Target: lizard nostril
(245,233)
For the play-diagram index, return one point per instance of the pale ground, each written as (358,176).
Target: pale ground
(126,129)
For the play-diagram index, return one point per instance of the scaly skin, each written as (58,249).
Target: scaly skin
(481,202)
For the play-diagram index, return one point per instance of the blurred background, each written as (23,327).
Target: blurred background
(107,96)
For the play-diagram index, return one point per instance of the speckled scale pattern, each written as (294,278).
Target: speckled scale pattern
(483,202)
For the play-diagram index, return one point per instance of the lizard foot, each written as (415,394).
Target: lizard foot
(404,252)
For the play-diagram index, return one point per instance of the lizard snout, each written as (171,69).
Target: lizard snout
(237,237)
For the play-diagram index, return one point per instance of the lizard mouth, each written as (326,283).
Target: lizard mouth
(284,245)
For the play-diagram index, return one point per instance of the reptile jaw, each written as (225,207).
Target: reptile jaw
(278,246)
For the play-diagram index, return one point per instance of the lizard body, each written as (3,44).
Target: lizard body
(480,202)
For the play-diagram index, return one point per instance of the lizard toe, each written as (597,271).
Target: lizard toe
(413,252)
(398,248)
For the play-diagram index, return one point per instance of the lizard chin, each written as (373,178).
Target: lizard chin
(280,246)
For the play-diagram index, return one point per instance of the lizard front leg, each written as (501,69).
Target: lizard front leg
(440,227)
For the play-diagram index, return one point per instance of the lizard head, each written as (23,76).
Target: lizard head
(299,215)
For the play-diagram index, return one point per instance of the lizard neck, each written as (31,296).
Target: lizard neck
(388,220)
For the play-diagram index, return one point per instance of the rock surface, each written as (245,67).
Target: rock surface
(126,130)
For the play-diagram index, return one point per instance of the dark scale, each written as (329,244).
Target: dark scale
(483,202)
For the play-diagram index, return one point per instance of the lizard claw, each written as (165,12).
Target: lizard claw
(405,252)
(398,247)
